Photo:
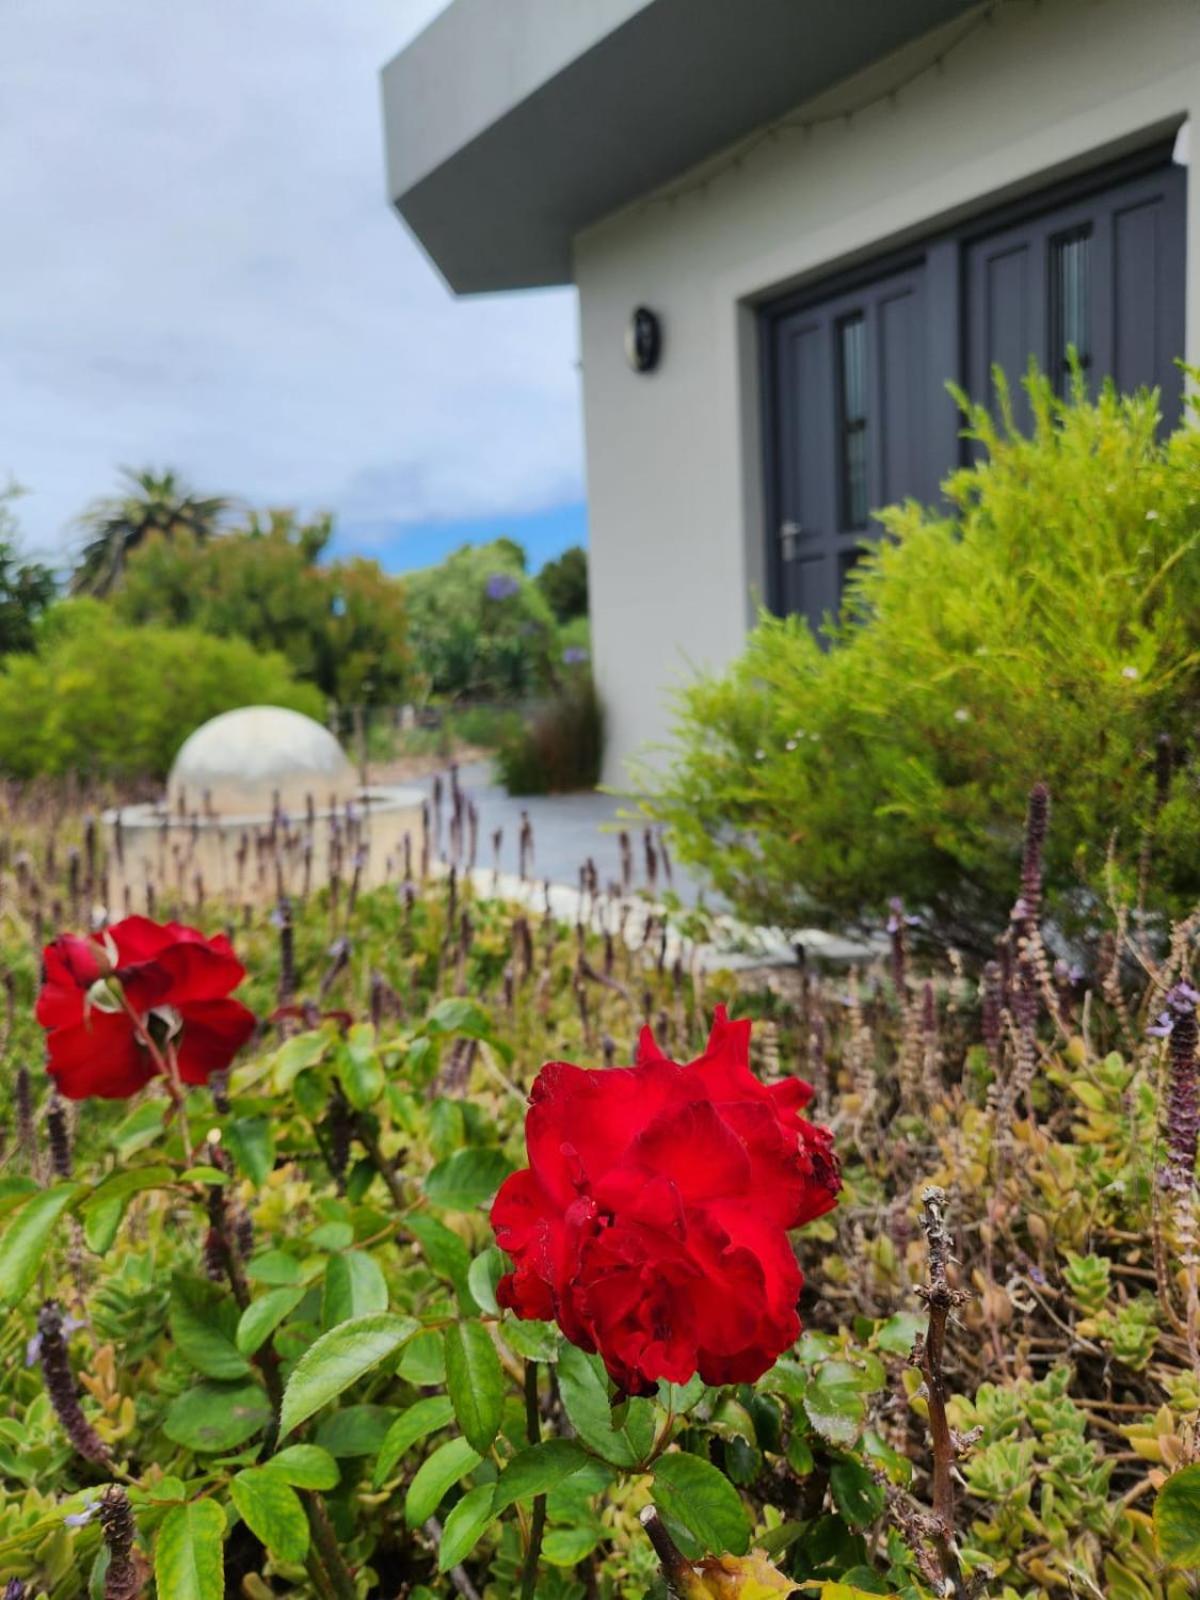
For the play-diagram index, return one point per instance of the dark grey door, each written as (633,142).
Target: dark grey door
(1103,273)
(856,406)
(849,373)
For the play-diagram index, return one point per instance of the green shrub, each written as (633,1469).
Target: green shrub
(485,726)
(564,582)
(559,748)
(109,700)
(340,624)
(1045,626)
(479,627)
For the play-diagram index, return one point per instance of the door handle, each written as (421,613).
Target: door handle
(789,534)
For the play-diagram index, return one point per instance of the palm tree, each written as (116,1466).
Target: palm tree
(150,502)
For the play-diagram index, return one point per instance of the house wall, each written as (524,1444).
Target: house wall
(1044,89)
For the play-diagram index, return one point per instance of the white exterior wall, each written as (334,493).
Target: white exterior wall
(674,458)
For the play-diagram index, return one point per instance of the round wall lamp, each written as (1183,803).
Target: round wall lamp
(643,340)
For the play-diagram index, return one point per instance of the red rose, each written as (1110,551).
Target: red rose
(100,998)
(652,1220)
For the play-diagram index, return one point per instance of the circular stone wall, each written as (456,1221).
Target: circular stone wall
(238,762)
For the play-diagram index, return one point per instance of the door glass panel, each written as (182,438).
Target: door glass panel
(852,362)
(1070,303)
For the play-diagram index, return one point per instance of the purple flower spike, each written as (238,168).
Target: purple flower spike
(574,655)
(502,586)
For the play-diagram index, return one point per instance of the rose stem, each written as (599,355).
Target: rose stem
(533,1428)
(941,1300)
(169,1069)
(324,1562)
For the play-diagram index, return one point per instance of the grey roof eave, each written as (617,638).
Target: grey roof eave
(513,124)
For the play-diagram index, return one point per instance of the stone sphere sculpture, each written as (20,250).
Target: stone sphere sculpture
(237,763)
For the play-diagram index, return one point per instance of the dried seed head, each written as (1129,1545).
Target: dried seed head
(58,1134)
(60,1387)
(1183,1098)
(125,1577)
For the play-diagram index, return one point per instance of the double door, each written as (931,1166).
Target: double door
(858,414)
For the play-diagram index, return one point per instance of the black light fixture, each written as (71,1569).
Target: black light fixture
(643,340)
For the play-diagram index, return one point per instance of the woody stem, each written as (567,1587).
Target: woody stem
(533,1427)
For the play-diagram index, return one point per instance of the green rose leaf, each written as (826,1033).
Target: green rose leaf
(360,1071)
(855,1493)
(306,1466)
(692,1492)
(354,1287)
(536,1341)
(475,1381)
(189,1556)
(251,1143)
(355,1430)
(441,1471)
(446,1254)
(459,1016)
(467,1178)
(834,1403)
(584,1388)
(262,1316)
(539,1469)
(485,1273)
(204,1346)
(338,1359)
(425,1417)
(271,1509)
(465,1526)
(214,1417)
(1177,1518)
(27,1237)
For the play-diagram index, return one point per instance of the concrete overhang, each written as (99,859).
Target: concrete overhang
(513,124)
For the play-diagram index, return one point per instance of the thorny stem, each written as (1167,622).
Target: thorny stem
(385,1168)
(929,1355)
(326,1542)
(674,1564)
(325,1565)
(458,1575)
(533,1429)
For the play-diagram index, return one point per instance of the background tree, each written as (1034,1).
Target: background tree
(26,587)
(479,627)
(149,503)
(564,582)
(341,624)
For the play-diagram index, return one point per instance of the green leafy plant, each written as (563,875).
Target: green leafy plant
(559,746)
(1043,625)
(268,1310)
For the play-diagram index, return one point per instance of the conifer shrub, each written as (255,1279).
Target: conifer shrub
(1043,623)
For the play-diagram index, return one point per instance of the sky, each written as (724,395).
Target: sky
(199,269)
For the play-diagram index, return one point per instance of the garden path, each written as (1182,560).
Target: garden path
(570,828)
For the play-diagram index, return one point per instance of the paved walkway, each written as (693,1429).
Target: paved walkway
(570,829)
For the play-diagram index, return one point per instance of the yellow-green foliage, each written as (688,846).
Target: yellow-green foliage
(1045,625)
(105,699)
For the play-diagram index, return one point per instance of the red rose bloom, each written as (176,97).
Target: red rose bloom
(176,986)
(652,1220)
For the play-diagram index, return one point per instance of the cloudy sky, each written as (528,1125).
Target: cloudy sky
(199,269)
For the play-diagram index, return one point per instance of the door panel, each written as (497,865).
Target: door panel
(849,374)
(1102,273)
